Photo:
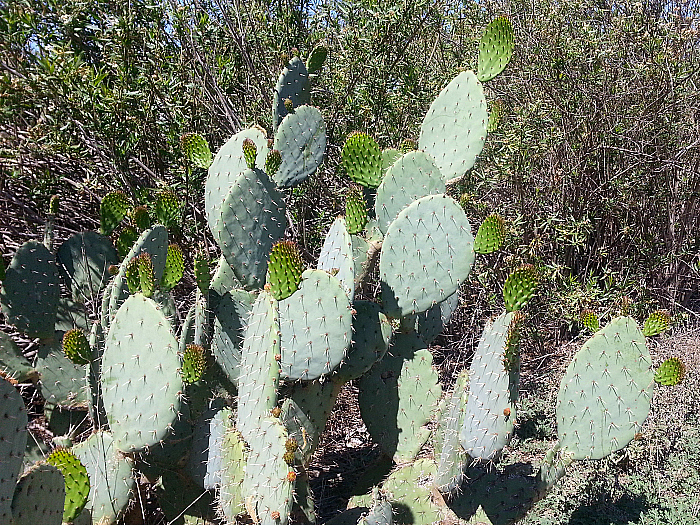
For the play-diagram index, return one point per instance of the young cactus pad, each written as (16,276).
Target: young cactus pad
(140,381)
(671,372)
(491,234)
(196,150)
(519,287)
(285,268)
(361,159)
(355,210)
(427,253)
(76,346)
(77,483)
(656,323)
(113,208)
(167,209)
(606,392)
(495,48)
(454,129)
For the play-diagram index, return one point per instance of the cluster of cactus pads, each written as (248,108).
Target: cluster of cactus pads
(222,409)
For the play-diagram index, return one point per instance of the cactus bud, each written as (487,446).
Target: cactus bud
(288,457)
(289,105)
(276,412)
(273,162)
(275,515)
(270,143)
(589,319)
(76,346)
(291,445)
(250,152)
(113,269)
(291,476)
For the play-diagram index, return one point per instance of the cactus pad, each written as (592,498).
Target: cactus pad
(301,141)
(489,414)
(656,323)
(141,386)
(491,234)
(432,322)
(39,497)
(76,346)
(361,159)
(397,397)
(316,326)
(426,254)
(495,48)
(62,381)
(606,392)
(111,481)
(336,256)
(454,129)
(495,115)
(671,372)
(167,209)
(140,218)
(194,364)
(85,258)
(126,240)
(77,483)
(285,269)
(13,440)
(519,287)
(234,455)
(411,177)
(589,319)
(355,210)
(174,268)
(202,271)
(228,165)
(229,324)
(316,58)
(13,364)
(196,150)
(113,208)
(30,290)
(252,219)
(293,85)
(452,457)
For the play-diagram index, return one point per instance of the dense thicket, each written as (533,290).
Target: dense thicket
(596,163)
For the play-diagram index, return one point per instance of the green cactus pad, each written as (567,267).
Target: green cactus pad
(234,455)
(433,321)
(140,218)
(85,259)
(194,364)
(13,364)
(229,324)
(273,163)
(316,326)
(380,513)
(267,488)
(519,287)
(305,412)
(316,58)
(147,278)
(253,218)
(285,269)
(13,440)
(293,84)
(495,48)
(259,368)
(126,240)
(491,234)
(671,372)
(606,392)
(451,455)
(397,397)
(92,371)
(495,115)
(656,323)
(589,319)
(30,290)
(167,209)
(493,391)
(133,280)
(202,271)
(196,150)
(361,159)
(77,483)
(370,341)
(39,497)
(62,381)
(301,141)
(223,280)
(113,208)
(227,167)
(76,346)
(411,177)
(389,156)
(426,254)
(174,268)
(141,384)
(454,129)
(111,480)
(355,210)
(337,256)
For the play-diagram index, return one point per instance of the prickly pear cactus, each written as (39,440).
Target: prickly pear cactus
(13,439)
(495,48)
(361,159)
(196,150)
(671,372)
(301,141)
(39,497)
(77,483)
(606,392)
(293,84)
